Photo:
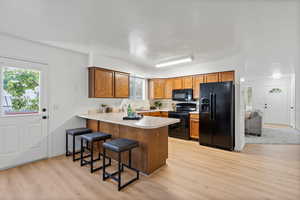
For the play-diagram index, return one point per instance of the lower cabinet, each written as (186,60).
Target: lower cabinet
(155,114)
(194,126)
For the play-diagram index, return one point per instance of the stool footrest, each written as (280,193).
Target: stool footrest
(112,175)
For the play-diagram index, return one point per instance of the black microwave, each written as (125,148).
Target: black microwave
(182,95)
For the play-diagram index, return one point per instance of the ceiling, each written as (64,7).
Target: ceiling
(146,32)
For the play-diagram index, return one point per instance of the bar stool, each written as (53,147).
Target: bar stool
(120,145)
(74,132)
(92,138)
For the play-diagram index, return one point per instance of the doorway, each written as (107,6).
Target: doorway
(23,113)
(276,107)
(269,105)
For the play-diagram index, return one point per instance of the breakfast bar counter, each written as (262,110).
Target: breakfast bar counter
(150,132)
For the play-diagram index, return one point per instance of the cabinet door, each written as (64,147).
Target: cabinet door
(226,76)
(197,80)
(155,114)
(151,89)
(164,114)
(168,88)
(194,128)
(211,78)
(177,83)
(104,81)
(159,88)
(187,82)
(121,85)
(145,113)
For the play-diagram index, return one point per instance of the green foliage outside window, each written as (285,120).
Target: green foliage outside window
(16,82)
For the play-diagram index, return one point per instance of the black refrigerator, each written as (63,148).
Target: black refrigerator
(217,115)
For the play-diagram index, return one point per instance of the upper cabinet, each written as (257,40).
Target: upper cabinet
(177,83)
(121,85)
(162,88)
(168,88)
(157,88)
(187,82)
(211,78)
(104,83)
(101,83)
(226,76)
(197,80)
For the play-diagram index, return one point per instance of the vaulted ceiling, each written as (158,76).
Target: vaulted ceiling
(148,31)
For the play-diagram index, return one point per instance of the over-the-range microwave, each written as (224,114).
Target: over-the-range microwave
(182,95)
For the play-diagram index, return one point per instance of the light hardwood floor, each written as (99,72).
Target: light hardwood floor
(192,172)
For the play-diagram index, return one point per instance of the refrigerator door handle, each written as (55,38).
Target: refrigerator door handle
(211,106)
(215,106)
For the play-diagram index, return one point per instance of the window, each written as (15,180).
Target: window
(137,88)
(20,91)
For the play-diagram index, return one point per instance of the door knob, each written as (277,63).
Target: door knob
(44,117)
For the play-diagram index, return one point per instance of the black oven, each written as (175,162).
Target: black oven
(181,129)
(182,95)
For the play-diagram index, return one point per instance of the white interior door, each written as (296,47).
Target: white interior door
(277,107)
(23,131)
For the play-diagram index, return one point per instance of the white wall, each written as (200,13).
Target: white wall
(118,64)
(68,85)
(297,78)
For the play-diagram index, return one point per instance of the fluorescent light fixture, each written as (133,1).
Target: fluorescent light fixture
(276,76)
(175,62)
(242,79)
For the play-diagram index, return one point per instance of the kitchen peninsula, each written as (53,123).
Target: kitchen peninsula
(150,132)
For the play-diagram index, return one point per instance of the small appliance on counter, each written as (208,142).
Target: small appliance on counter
(216,112)
(181,129)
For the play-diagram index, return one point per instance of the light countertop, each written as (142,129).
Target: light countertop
(156,110)
(146,122)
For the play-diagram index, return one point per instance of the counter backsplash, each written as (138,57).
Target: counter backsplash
(121,105)
(167,103)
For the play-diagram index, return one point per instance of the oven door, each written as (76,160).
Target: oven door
(181,129)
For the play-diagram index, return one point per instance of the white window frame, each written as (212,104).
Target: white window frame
(133,96)
(4,65)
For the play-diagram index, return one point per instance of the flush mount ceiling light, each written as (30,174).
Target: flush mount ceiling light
(276,76)
(175,62)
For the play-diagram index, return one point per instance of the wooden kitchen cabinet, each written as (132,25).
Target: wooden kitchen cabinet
(104,83)
(164,114)
(121,85)
(92,124)
(101,83)
(194,126)
(211,78)
(168,88)
(177,83)
(155,113)
(187,82)
(159,88)
(226,76)
(162,88)
(197,80)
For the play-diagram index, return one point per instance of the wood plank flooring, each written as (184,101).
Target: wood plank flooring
(192,172)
